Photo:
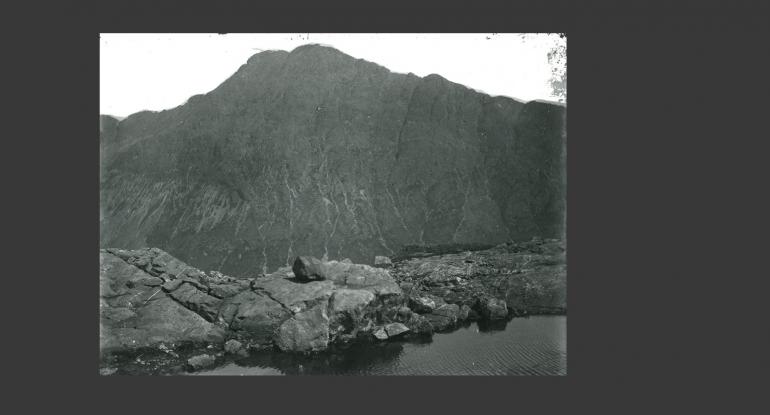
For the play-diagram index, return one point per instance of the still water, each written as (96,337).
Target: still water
(523,346)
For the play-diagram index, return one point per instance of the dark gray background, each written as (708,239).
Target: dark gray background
(666,217)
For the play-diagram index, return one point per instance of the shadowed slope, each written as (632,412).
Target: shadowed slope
(315,152)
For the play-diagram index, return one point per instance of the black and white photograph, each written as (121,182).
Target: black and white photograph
(333,204)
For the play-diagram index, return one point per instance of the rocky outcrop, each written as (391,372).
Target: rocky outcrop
(193,298)
(422,304)
(511,279)
(363,277)
(135,312)
(444,317)
(349,309)
(152,301)
(493,309)
(306,331)
(253,317)
(315,152)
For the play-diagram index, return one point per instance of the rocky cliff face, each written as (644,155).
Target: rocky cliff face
(318,153)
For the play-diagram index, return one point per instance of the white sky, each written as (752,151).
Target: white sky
(160,71)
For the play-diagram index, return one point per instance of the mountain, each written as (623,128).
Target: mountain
(314,152)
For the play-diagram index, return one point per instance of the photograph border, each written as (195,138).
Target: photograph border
(645,149)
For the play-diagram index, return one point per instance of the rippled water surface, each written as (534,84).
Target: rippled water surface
(524,346)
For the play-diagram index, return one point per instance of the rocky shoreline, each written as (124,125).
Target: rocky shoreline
(159,315)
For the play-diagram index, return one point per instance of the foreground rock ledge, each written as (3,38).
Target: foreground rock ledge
(152,301)
(149,299)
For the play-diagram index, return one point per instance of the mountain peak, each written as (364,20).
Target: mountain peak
(319,52)
(317,48)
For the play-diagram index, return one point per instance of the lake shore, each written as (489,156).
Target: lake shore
(161,316)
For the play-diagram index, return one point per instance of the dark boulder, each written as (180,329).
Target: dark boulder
(308,268)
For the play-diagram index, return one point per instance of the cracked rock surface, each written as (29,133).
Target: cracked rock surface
(152,301)
(149,298)
(511,279)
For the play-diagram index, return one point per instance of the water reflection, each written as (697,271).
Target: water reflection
(523,346)
(355,359)
(492,326)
